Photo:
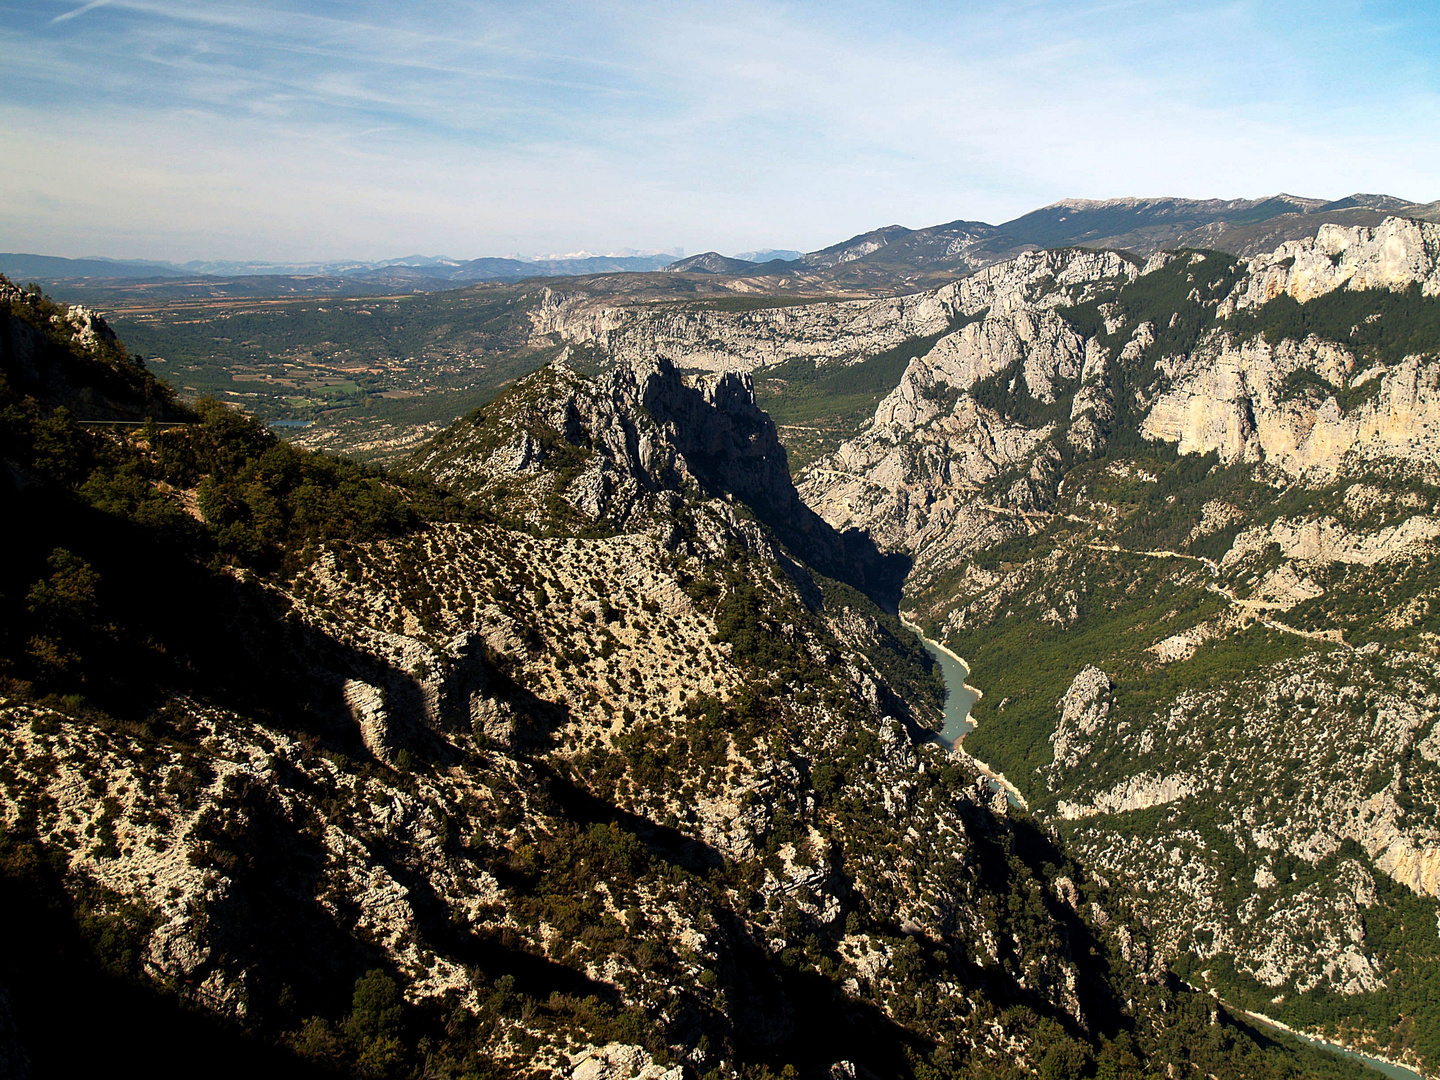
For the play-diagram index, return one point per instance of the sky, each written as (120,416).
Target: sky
(309,130)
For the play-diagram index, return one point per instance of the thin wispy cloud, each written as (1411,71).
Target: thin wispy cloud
(77,12)
(318,129)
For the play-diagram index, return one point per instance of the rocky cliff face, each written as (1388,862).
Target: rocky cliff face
(1242,397)
(1180,519)
(69,355)
(1397,254)
(1236,397)
(620,450)
(720,340)
(589,774)
(716,339)
(930,439)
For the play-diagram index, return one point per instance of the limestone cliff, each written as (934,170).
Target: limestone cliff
(713,338)
(590,772)
(1396,254)
(1180,518)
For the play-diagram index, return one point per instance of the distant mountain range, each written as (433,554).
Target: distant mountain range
(896,255)
(885,259)
(768,255)
(412,269)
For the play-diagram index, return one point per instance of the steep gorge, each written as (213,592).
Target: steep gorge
(586,743)
(1181,518)
(576,749)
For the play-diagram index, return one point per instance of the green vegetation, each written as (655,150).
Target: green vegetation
(1365,602)
(1168,511)
(817,406)
(1172,300)
(1305,383)
(1007,393)
(1400,926)
(259,502)
(97,376)
(213,494)
(1121,605)
(1381,325)
(904,663)
(371,366)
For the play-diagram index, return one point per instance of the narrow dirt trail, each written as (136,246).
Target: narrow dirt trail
(1255,609)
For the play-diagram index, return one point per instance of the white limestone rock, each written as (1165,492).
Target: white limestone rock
(1395,254)
(1083,709)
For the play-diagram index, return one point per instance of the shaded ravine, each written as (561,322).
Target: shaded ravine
(960,696)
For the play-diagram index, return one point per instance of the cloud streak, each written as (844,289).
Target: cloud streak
(77,12)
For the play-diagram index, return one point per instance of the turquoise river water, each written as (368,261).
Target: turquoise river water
(959,697)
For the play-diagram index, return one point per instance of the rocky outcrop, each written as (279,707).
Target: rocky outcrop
(912,478)
(719,340)
(1041,344)
(1136,793)
(1236,397)
(631,439)
(1418,869)
(1324,540)
(69,357)
(635,439)
(1393,255)
(1082,710)
(1229,398)
(620,1061)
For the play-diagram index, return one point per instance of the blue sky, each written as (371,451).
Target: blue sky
(320,130)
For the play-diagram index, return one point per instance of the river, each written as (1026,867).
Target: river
(960,697)
(1380,1065)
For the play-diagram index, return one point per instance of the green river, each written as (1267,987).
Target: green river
(959,697)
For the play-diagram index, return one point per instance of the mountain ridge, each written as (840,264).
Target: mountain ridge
(1142,224)
(885,258)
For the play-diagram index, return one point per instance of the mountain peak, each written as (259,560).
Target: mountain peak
(711,262)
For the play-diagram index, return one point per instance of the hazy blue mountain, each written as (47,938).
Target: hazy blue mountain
(22,266)
(885,259)
(765,255)
(426,272)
